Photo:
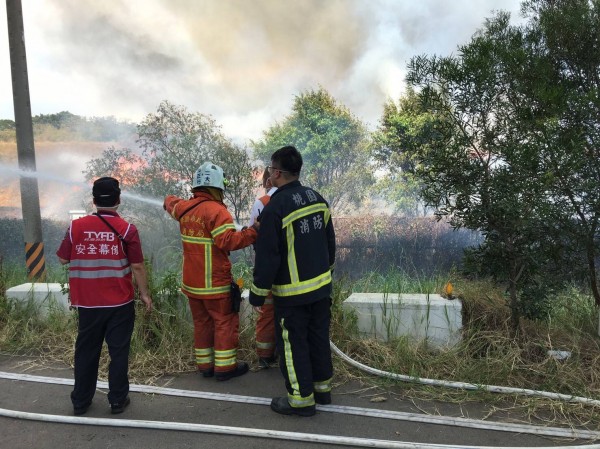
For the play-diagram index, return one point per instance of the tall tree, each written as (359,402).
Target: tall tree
(334,145)
(515,153)
(174,143)
(479,166)
(403,129)
(567,32)
(241,175)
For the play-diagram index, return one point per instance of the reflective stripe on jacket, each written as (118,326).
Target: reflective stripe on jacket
(295,248)
(207,236)
(99,271)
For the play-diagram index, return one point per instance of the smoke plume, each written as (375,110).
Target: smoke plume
(239,61)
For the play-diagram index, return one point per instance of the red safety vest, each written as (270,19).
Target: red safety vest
(99,272)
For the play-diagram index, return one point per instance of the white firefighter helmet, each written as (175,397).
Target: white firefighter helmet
(209,175)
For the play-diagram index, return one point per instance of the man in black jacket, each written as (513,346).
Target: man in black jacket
(295,252)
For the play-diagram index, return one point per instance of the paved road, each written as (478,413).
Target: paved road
(54,399)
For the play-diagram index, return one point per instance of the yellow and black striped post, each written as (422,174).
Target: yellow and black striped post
(34,259)
(30,200)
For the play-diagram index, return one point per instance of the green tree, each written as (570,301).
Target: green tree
(8,132)
(174,143)
(7,124)
(334,145)
(479,166)
(58,120)
(515,154)
(242,177)
(121,163)
(403,129)
(567,33)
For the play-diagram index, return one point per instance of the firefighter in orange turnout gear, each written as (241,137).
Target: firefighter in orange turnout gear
(207,235)
(265,323)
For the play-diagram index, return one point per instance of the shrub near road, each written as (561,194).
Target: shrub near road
(416,245)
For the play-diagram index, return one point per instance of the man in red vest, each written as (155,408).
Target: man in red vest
(103,252)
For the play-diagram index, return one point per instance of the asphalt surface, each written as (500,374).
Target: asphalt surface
(43,398)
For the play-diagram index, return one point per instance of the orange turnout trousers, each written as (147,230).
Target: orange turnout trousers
(216,334)
(265,329)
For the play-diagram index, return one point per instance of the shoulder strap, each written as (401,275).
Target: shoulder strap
(192,207)
(111,227)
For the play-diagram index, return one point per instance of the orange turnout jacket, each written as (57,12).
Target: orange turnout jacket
(265,324)
(207,235)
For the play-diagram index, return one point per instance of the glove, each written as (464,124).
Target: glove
(256,300)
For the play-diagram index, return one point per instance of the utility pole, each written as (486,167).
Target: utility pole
(30,199)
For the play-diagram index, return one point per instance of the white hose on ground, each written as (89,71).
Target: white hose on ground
(206,428)
(360,411)
(251,432)
(464,385)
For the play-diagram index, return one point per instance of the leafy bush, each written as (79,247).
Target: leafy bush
(12,249)
(415,246)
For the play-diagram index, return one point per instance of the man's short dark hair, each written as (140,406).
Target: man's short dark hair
(106,192)
(289,159)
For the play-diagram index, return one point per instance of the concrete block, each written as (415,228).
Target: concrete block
(417,316)
(43,296)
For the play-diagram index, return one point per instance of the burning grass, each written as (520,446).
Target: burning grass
(488,355)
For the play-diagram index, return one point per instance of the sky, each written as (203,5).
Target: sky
(240,61)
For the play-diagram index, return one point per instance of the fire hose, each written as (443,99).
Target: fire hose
(325,439)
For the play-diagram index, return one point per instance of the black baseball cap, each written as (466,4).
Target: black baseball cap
(106,191)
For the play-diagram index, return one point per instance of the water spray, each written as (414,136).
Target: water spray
(55,178)
(143,199)
(39,175)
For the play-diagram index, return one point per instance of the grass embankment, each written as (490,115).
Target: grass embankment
(488,354)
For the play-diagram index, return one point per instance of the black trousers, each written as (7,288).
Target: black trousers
(115,325)
(302,339)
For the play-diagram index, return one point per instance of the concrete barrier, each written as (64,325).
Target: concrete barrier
(417,316)
(49,296)
(44,297)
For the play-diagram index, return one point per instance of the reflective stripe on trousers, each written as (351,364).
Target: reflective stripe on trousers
(303,348)
(215,326)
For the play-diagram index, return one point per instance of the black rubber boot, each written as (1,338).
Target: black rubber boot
(208,372)
(266,362)
(323,398)
(282,406)
(240,370)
